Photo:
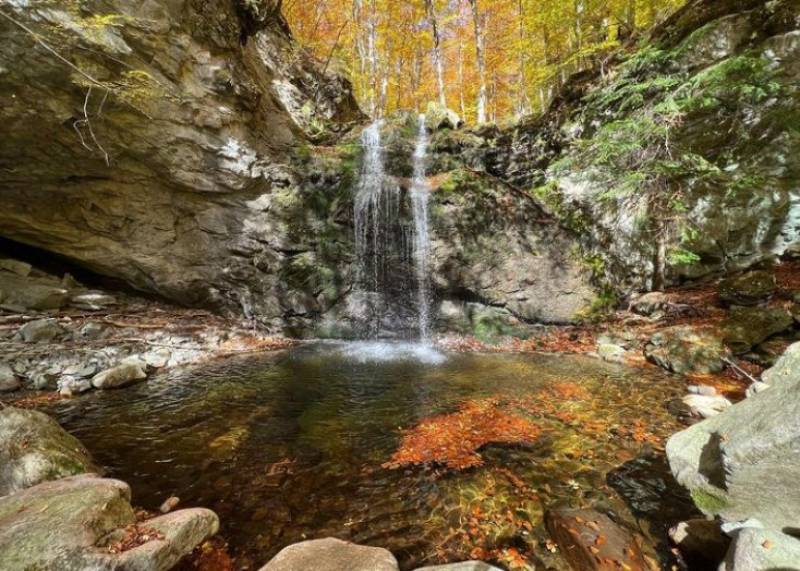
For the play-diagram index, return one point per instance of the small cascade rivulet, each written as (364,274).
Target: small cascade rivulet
(392,244)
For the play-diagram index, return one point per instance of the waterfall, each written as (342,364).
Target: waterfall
(392,294)
(368,207)
(376,211)
(419,201)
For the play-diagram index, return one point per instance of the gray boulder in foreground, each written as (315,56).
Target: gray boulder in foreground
(34,448)
(755,549)
(71,525)
(331,555)
(743,463)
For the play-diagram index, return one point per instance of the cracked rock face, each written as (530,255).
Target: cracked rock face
(159,154)
(174,152)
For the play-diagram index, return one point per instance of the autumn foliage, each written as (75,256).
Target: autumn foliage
(454,440)
(490,60)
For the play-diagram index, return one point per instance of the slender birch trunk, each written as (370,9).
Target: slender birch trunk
(479,55)
(438,61)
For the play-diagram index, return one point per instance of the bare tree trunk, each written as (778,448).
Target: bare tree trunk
(372,58)
(361,50)
(652,14)
(630,16)
(416,78)
(462,102)
(480,57)
(578,30)
(438,62)
(523,103)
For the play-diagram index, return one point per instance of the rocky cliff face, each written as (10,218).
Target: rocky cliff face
(186,155)
(191,149)
(155,142)
(675,160)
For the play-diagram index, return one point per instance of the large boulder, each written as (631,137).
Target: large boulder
(685,349)
(748,288)
(488,243)
(742,463)
(785,369)
(746,327)
(331,555)
(80,523)
(34,449)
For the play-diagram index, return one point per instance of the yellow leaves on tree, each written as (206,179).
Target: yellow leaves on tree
(490,60)
(454,440)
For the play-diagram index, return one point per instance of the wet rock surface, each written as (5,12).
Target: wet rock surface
(34,449)
(590,540)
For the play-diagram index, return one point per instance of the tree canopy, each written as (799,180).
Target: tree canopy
(490,60)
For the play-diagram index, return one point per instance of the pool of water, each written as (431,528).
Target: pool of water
(299,445)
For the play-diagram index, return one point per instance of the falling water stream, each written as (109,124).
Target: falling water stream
(393,302)
(419,200)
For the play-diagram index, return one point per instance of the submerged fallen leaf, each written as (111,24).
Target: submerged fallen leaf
(455,439)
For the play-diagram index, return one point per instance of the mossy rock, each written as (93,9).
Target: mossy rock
(747,327)
(683,349)
(748,288)
(35,449)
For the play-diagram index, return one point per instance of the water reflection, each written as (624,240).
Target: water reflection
(291,446)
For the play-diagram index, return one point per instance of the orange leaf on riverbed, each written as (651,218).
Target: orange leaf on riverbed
(454,439)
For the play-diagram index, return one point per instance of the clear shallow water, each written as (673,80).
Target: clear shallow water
(290,446)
